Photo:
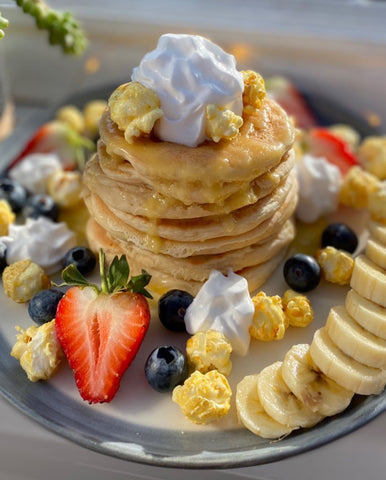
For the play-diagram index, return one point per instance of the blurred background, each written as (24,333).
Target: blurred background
(334,48)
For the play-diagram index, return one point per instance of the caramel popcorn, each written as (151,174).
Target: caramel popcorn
(254,90)
(65,188)
(269,321)
(356,188)
(38,351)
(23,279)
(297,309)
(92,114)
(135,109)
(6,217)
(204,398)
(221,123)
(336,265)
(72,116)
(209,350)
(372,156)
(377,203)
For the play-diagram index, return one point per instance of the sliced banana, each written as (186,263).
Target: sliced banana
(280,403)
(377,230)
(317,391)
(252,414)
(371,316)
(346,371)
(369,280)
(376,252)
(354,340)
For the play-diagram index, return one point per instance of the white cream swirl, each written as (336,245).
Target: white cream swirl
(224,304)
(34,170)
(188,72)
(42,241)
(319,184)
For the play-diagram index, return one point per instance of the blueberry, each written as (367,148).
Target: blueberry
(165,368)
(82,257)
(340,236)
(40,205)
(172,307)
(3,252)
(14,193)
(302,272)
(42,306)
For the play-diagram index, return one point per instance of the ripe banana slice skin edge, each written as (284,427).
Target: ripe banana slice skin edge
(280,403)
(354,340)
(346,371)
(310,385)
(252,414)
(369,315)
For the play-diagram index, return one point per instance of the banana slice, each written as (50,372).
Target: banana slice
(376,252)
(346,371)
(354,340)
(252,414)
(280,403)
(369,280)
(317,391)
(377,230)
(369,315)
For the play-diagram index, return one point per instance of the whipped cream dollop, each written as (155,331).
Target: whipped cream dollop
(34,170)
(40,240)
(189,72)
(319,184)
(224,304)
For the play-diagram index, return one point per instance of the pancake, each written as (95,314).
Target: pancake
(176,248)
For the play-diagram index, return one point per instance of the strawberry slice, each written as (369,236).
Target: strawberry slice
(288,96)
(321,142)
(101,329)
(58,137)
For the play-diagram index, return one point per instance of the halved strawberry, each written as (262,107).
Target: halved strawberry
(101,329)
(58,137)
(321,142)
(284,92)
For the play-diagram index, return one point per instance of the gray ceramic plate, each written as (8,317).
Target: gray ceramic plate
(139,435)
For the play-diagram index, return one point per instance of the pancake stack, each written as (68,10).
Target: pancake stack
(178,212)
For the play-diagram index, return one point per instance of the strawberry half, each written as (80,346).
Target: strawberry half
(58,137)
(284,92)
(101,329)
(321,142)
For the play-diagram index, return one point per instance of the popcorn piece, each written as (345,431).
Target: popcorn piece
(65,188)
(336,265)
(297,308)
(38,350)
(346,133)
(204,398)
(377,203)
(254,90)
(221,123)
(92,113)
(269,321)
(6,217)
(23,279)
(356,188)
(135,109)
(372,156)
(72,116)
(209,350)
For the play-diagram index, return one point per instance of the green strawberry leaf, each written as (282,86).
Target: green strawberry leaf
(138,283)
(118,274)
(72,276)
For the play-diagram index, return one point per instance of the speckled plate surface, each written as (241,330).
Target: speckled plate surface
(144,426)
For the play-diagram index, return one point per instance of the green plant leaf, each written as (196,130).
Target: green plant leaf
(118,274)
(72,276)
(138,283)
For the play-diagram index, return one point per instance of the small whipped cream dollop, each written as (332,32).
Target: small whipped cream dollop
(223,304)
(319,184)
(188,72)
(42,241)
(34,170)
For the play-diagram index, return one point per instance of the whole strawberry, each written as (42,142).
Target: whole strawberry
(101,328)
